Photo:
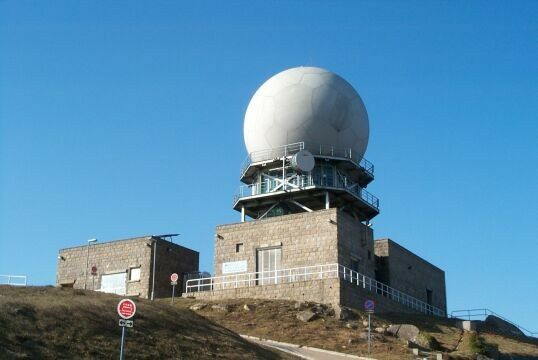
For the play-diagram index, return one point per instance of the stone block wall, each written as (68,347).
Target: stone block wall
(354,296)
(121,256)
(324,291)
(409,273)
(109,258)
(308,238)
(172,258)
(355,241)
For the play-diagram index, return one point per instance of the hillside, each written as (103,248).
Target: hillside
(277,320)
(54,323)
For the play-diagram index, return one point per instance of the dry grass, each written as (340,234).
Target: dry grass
(52,323)
(277,320)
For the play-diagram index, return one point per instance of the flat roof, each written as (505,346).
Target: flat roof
(159,238)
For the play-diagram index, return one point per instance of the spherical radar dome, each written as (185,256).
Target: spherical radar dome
(306,104)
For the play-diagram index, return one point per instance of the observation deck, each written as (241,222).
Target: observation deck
(358,168)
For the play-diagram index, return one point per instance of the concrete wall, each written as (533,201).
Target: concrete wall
(409,273)
(122,255)
(306,239)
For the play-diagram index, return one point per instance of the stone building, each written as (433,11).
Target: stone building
(132,267)
(310,234)
(323,256)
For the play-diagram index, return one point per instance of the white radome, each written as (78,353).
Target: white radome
(306,104)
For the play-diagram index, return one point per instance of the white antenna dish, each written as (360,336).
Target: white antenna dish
(303,161)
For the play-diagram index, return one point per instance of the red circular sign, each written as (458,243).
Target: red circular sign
(126,308)
(174,277)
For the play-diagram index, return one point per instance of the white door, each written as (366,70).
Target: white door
(268,263)
(114,283)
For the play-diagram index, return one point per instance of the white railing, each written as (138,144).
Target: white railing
(302,181)
(318,150)
(13,280)
(270,154)
(316,272)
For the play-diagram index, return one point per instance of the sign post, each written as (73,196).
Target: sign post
(94,272)
(126,310)
(173,282)
(369,307)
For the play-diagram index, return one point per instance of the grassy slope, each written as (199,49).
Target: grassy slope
(276,320)
(51,323)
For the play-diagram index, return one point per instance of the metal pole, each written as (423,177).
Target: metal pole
(87,261)
(153,275)
(122,339)
(369,334)
(284,168)
(173,293)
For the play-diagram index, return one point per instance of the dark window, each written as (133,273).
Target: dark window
(238,247)
(429,294)
(355,264)
(369,255)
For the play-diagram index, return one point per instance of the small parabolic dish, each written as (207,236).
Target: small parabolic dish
(303,161)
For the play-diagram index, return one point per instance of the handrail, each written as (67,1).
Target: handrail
(269,154)
(305,273)
(302,181)
(320,150)
(475,313)
(10,279)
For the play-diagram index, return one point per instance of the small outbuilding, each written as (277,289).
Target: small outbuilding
(138,266)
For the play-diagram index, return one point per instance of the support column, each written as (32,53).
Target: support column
(327,202)
(242,213)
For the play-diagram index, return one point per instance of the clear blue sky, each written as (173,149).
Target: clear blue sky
(120,119)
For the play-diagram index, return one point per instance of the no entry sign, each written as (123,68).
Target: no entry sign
(174,277)
(126,308)
(369,305)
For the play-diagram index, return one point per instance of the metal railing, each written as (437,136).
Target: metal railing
(319,150)
(483,313)
(303,181)
(14,280)
(270,154)
(305,273)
